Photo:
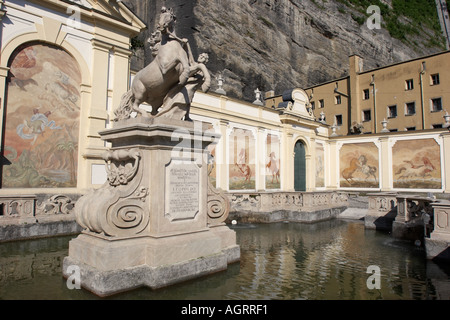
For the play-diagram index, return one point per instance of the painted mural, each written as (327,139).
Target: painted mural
(320,160)
(42,119)
(416,164)
(359,165)
(272,162)
(241,160)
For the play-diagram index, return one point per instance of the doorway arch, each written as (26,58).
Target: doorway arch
(300,166)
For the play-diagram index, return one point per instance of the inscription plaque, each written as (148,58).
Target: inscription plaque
(182,190)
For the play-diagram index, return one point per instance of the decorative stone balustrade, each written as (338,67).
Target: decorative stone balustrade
(282,206)
(413,215)
(400,213)
(382,211)
(17,209)
(35,216)
(410,207)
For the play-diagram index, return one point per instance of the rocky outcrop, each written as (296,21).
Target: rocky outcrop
(277,44)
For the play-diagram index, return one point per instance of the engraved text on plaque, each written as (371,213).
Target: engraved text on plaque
(182,190)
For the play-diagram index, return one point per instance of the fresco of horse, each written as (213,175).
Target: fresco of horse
(359,165)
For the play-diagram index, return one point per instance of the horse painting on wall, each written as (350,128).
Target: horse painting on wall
(416,164)
(241,160)
(273,162)
(359,165)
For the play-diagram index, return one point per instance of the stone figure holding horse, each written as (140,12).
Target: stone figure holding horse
(166,75)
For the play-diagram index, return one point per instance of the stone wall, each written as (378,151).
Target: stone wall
(266,207)
(37,216)
(277,45)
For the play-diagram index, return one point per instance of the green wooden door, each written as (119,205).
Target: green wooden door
(300,167)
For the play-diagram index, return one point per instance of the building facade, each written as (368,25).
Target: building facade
(66,64)
(309,158)
(411,95)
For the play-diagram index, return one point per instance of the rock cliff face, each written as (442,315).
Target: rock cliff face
(276,44)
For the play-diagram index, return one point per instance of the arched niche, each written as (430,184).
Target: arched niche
(41,118)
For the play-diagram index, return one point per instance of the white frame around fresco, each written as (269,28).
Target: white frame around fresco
(392,140)
(439,141)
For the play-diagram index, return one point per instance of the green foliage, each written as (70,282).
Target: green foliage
(360,20)
(404,18)
(421,12)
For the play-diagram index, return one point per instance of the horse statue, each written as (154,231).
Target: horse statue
(166,75)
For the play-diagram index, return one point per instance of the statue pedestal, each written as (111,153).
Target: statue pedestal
(156,221)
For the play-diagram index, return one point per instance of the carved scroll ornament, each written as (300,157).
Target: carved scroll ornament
(218,204)
(57,204)
(118,208)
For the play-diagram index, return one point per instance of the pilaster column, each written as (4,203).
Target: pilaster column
(260,164)
(84,166)
(385,165)
(99,96)
(221,154)
(120,81)
(3,76)
(287,163)
(311,167)
(333,166)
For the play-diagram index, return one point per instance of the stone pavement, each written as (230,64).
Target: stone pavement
(357,208)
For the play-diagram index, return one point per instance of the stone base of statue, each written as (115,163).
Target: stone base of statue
(157,221)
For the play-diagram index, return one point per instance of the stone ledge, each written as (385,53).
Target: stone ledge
(27,231)
(113,282)
(311,216)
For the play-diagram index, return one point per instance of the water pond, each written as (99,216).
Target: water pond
(284,261)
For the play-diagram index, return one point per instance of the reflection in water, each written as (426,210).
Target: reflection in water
(326,260)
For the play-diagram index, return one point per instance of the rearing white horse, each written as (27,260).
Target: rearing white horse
(171,67)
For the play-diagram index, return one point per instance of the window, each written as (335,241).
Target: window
(410,128)
(435,79)
(437,126)
(436,104)
(313,105)
(338,118)
(366,94)
(410,108)
(392,112)
(337,100)
(393,130)
(321,103)
(366,115)
(409,84)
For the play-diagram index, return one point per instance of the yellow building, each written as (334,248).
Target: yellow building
(410,95)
